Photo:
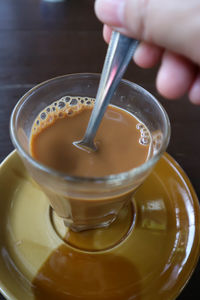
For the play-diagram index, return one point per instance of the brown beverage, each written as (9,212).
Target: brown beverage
(123,141)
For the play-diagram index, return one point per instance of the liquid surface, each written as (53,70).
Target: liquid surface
(123,143)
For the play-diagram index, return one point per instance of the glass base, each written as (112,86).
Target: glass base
(97,239)
(154,260)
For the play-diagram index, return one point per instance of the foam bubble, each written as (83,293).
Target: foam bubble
(61,104)
(67,99)
(144,140)
(74,101)
(67,106)
(140,126)
(43,115)
(144,134)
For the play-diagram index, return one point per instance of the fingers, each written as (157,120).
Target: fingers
(175,76)
(147,55)
(160,25)
(110,11)
(194,94)
(107,31)
(173,25)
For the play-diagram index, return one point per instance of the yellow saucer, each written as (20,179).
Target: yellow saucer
(162,248)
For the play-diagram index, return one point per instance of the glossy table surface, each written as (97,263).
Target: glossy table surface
(43,39)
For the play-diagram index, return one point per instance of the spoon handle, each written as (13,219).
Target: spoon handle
(119,54)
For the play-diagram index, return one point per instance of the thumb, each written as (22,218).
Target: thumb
(171,24)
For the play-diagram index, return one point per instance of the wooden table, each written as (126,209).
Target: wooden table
(43,39)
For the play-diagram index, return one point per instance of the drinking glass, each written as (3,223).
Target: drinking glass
(82,202)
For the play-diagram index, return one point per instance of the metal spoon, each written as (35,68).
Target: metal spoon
(119,54)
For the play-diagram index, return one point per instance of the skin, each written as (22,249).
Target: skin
(169,34)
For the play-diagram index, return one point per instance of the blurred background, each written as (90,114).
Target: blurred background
(41,39)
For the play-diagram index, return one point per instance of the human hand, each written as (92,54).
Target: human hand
(169,32)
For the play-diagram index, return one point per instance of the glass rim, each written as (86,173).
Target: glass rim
(102,179)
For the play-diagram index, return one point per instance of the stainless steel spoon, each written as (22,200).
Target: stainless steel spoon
(119,54)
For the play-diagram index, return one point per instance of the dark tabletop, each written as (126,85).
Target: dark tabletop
(42,39)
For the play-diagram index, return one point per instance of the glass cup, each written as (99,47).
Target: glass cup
(88,203)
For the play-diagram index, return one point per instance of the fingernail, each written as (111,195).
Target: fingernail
(110,11)
(194,93)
